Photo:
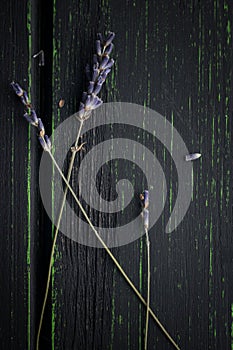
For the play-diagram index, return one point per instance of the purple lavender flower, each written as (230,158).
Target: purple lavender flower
(34,117)
(109,39)
(45,142)
(145,199)
(105,73)
(25,99)
(104,62)
(98,47)
(48,142)
(28,118)
(192,156)
(96,75)
(108,49)
(17,88)
(41,127)
(110,64)
(90,87)
(31,117)
(100,38)
(42,142)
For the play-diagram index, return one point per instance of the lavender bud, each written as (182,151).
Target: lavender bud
(192,156)
(110,38)
(110,64)
(43,143)
(23,100)
(28,118)
(95,74)
(48,142)
(97,88)
(105,73)
(97,104)
(146,199)
(34,117)
(26,99)
(96,65)
(17,88)
(104,62)
(108,49)
(90,87)
(88,101)
(41,127)
(98,48)
(146,218)
(100,37)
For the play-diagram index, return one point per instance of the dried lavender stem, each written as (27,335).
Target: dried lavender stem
(55,236)
(148,289)
(90,101)
(111,255)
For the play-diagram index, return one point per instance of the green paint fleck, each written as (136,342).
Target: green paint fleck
(120,320)
(228,32)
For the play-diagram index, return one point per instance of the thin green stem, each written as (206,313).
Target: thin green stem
(148,289)
(55,236)
(111,255)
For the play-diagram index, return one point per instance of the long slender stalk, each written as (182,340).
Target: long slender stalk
(32,118)
(111,255)
(148,289)
(55,236)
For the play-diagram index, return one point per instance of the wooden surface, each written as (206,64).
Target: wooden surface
(176,58)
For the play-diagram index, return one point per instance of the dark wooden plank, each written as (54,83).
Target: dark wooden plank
(174,57)
(19,178)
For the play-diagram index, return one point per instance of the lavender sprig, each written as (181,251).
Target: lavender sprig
(96,76)
(31,117)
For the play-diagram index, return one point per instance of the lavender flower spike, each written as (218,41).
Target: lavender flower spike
(31,117)
(96,75)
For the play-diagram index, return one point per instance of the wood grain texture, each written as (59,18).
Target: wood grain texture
(176,58)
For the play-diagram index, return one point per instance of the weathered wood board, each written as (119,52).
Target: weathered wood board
(176,58)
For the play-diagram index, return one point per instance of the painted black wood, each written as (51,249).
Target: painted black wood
(176,57)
